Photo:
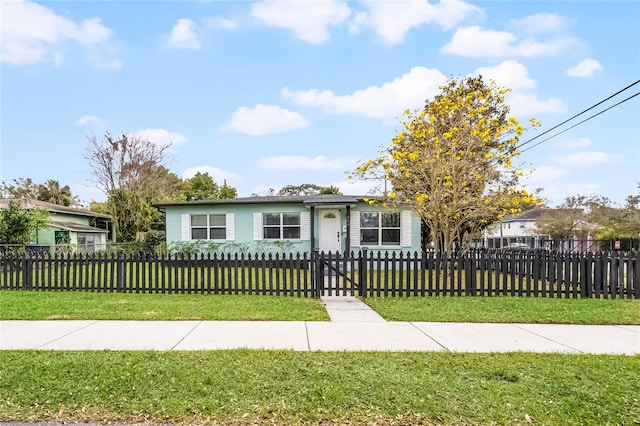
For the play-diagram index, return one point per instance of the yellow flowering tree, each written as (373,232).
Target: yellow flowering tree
(453,162)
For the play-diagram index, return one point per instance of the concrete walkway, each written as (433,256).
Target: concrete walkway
(349,309)
(318,336)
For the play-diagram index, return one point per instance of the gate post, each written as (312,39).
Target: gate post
(120,273)
(27,271)
(362,273)
(636,275)
(316,274)
(469,274)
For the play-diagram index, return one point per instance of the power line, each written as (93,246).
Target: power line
(577,115)
(577,124)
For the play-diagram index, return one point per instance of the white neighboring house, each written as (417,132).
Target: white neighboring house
(520,232)
(516,231)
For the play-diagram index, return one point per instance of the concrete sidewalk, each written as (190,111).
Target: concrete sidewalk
(318,336)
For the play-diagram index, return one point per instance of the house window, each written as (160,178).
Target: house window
(279,226)
(62,237)
(87,242)
(380,229)
(208,227)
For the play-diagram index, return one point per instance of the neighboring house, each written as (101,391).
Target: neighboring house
(298,224)
(70,229)
(520,231)
(516,231)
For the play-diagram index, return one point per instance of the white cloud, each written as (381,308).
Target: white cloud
(556,185)
(539,22)
(387,101)
(300,162)
(392,20)
(222,23)
(217,174)
(546,177)
(184,36)
(577,143)
(309,21)
(545,174)
(475,42)
(513,75)
(33,33)
(583,188)
(263,120)
(584,69)
(589,157)
(528,104)
(359,187)
(161,137)
(508,74)
(88,120)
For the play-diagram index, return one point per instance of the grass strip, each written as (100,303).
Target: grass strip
(508,310)
(47,305)
(257,387)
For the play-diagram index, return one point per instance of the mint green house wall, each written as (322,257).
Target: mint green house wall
(240,226)
(244,227)
(77,222)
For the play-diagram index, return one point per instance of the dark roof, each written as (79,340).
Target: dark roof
(532,214)
(76,227)
(30,203)
(309,200)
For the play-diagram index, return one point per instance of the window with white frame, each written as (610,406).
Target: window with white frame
(208,227)
(87,242)
(281,226)
(381,229)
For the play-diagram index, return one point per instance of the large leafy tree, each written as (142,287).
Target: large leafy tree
(51,191)
(18,226)
(20,188)
(228,192)
(308,189)
(592,216)
(453,162)
(201,187)
(566,221)
(622,221)
(130,171)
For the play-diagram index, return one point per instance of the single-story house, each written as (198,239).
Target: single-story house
(297,224)
(71,229)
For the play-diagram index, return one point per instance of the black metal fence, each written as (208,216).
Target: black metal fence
(477,273)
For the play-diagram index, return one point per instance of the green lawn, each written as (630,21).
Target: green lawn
(49,305)
(508,310)
(32,305)
(249,387)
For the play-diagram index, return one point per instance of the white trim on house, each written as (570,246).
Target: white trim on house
(257,226)
(230,219)
(355,228)
(305,226)
(185,227)
(405,228)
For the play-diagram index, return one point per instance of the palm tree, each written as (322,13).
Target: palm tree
(52,192)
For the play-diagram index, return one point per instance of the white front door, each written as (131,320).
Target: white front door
(329,230)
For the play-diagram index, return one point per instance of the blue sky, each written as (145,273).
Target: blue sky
(269,93)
